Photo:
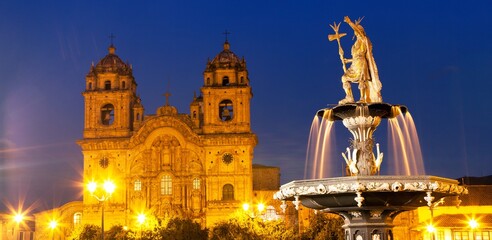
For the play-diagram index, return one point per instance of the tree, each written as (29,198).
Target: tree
(278,230)
(233,229)
(183,229)
(86,232)
(324,226)
(117,232)
(244,227)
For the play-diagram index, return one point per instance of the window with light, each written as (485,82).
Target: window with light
(228,192)
(137,185)
(166,185)
(77,219)
(196,184)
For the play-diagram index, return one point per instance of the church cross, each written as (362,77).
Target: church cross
(226,33)
(112,37)
(167,95)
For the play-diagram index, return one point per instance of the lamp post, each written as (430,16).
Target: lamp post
(18,218)
(141,220)
(432,230)
(258,212)
(53,225)
(107,190)
(473,224)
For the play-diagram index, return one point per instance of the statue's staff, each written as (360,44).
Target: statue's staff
(337,36)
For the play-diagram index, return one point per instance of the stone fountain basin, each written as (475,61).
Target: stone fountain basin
(400,192)
(382,110)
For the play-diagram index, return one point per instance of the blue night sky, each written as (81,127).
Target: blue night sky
(433,56)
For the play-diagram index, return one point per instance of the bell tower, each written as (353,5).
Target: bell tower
(226,94)
(112,108)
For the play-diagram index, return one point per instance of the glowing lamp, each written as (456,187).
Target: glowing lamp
(245,206)
(91,186)
(18,218)
(473,223)
(141,218)
(431,228)
(109,186)
(261,207)
(53,224)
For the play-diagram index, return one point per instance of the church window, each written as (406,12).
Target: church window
(242,80)
(226,110)
(90,86)
(228,192)
(227,158)
(138,116)
(225,81)
(460,235)
(194,114)
(166,185)
(123,85)
(77,219)
(137,185)
(107,85)
(208,81)
(196,184)
(107,114)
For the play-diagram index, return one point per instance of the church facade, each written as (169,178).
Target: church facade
(196,165)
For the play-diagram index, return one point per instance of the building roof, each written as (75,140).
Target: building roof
(479,192)
(226,59)
(478,195)
(263,166)
(111,63)
(485,180)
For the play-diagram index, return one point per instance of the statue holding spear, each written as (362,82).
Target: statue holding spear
(362,69)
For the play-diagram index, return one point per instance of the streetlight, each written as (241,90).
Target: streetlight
(260,207)
(431,230)
(108,188)
(473,224)
(245,207)
(53,224)
(141,220)
(18,218)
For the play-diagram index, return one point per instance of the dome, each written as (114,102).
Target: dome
(112,63)
(226,59)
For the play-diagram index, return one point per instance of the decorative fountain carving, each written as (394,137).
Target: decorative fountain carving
(368,202)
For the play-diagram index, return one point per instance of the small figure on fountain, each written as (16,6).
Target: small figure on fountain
(362,69)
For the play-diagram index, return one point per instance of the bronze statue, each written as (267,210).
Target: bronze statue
(362,69)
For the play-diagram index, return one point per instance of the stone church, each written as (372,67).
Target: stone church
(197,165)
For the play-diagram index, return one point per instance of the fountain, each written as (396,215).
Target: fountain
(367,201)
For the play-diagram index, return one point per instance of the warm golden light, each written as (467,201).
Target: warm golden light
(245,206)
(109,186)
(18,218)
(473,223)
(141,218)
(261,207)
(431,228)
(91,186)
(53,224)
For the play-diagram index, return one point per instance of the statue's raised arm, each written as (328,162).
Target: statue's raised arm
(362,69)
